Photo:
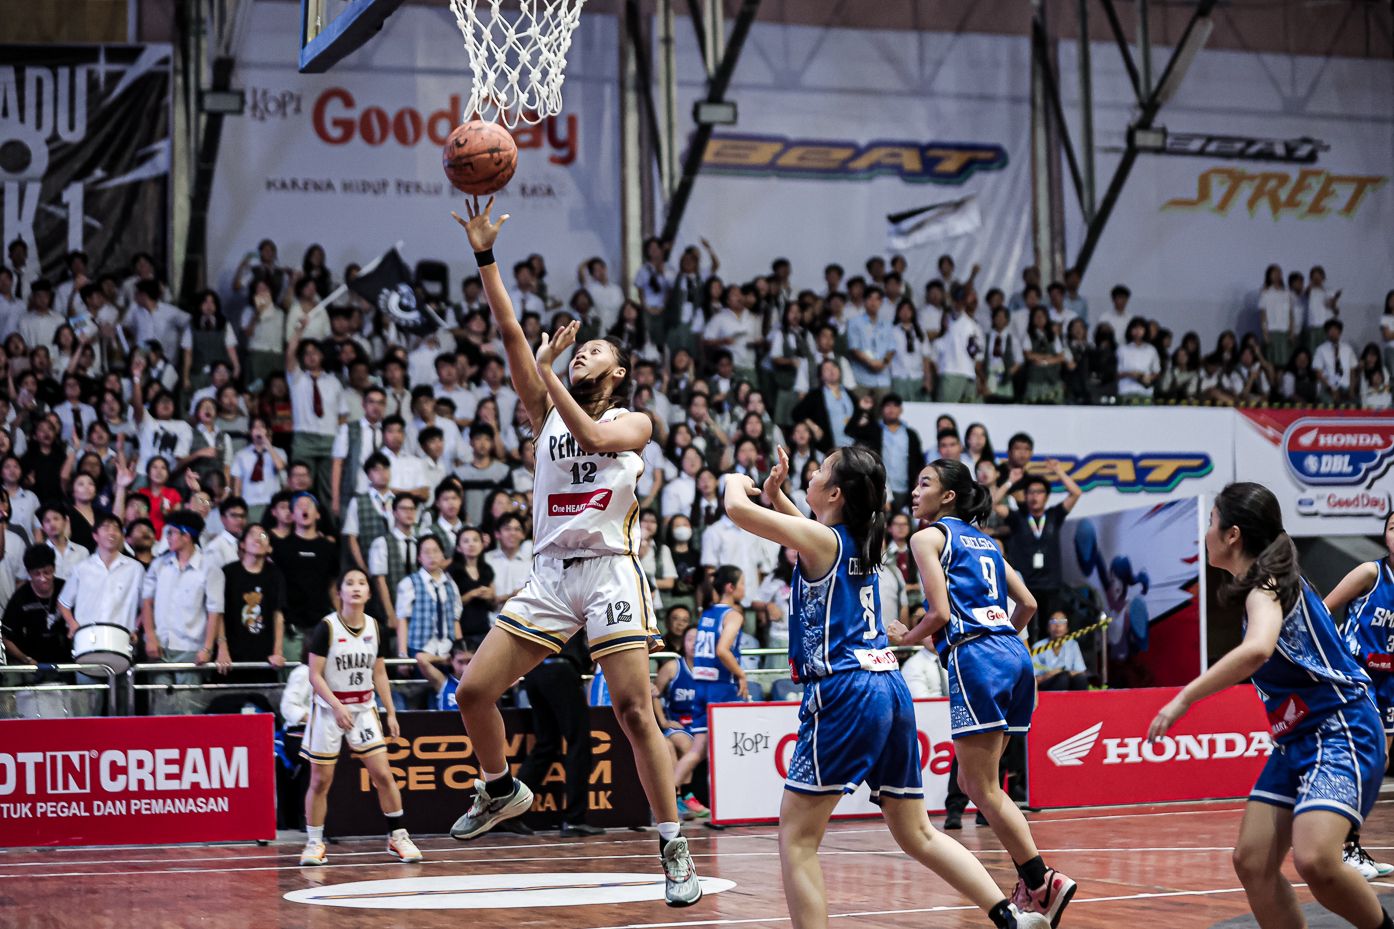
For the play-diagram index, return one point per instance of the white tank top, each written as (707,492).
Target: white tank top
(583,505)
(348,668)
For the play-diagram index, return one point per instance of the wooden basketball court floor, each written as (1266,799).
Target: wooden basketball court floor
(1169,865)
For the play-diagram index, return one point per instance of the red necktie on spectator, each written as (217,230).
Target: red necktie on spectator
(319,401)
(259,471)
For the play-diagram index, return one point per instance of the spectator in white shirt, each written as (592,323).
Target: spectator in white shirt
(23,265)
(737,329)
(1278,317)
(1322,304)
(258,471)
(104,588)
(1060,314)
(56,528)
(1138,364)
(353,443)
(923,674)
(39,324)
(524,293)
(723,543)
(606,296)
(151,319)
(314,408)
(1336,366)
(512,559)
(181,598)
(11,307)
(960,350)
(654,278)
(1073,301)
(73,413)
(222,549)
(305,316)
(264,325)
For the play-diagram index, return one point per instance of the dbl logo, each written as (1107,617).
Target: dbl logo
(1339,451)
(914,162)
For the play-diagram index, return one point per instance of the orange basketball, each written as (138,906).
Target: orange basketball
(479,157)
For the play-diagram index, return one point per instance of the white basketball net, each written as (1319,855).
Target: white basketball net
(519,63)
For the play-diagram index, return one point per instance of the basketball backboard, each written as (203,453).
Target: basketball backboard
(331,29)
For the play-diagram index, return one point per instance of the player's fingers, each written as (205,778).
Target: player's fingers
(488,207)
(457,217)
(504,218)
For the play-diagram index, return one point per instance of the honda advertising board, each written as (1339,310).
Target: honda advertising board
(1329,468)
(750,747)
(1091,748)
(128,781)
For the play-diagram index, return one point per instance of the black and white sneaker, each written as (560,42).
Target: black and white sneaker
(680,874)
(487,812)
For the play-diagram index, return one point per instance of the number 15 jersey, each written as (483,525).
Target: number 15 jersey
(583,504)
(977,579)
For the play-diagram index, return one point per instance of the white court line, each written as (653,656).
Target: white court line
(386,862)
(930,909)
(691,837)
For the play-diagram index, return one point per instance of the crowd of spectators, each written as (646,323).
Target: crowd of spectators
(200,468)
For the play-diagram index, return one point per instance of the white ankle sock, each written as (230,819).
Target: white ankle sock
(669,831)
(314,833)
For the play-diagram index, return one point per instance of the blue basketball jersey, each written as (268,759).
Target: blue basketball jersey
(599,694)
(977,580)
(1310,674)
(1369,626)
(706,666)
(835,621)
(682,690)
(445,697)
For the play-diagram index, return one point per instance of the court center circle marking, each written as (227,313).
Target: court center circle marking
(495,891)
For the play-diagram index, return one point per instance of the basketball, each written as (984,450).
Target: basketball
(479,157)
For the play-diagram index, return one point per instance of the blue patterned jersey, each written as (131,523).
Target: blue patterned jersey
(682,690)
(1370,622)
(1310,674)
(706,667)
(835,621)
(977,580)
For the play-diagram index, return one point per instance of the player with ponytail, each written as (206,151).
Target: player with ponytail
(992,685)
(857,721)
(1324,774)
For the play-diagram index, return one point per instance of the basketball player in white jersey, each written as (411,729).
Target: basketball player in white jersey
(585,571)
(345,654)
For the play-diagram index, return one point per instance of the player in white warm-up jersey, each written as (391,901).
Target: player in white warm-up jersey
(345,655)
(585,572)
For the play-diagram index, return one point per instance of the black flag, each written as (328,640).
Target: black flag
(388,285)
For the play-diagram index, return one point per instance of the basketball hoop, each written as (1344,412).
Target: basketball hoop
(518,64)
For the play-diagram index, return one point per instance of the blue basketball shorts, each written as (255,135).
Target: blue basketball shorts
(709,692)
(992,686)
(855,727)
(1337,766)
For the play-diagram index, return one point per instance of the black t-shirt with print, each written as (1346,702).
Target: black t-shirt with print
(250,603)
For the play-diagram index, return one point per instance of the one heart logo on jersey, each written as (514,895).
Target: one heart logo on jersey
(1379,662)
(576,504)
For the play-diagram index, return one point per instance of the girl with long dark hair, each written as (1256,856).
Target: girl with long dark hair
(1324,774)
(992,685)
(584,571)
(857,721)
(1363,603)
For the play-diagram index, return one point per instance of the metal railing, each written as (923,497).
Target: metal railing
(91,670)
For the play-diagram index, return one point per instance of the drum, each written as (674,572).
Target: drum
(103,643)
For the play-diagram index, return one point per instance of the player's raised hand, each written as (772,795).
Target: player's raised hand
(741,483)
(896,632)
(778,474)
(551,347)
(481,228)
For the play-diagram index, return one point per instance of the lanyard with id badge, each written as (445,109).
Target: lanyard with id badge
(1038,528)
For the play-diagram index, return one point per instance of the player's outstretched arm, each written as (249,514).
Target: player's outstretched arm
(815,542)
(482,232)
(1359,582)
(1265,621)
(629,432)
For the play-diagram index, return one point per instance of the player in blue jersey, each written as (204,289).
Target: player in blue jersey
(1365,600)
(675,691)
(716,662)
(992,684)
(1328,756)
(857,721)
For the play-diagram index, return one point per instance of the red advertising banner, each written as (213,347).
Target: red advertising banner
(133,781)
(1091,749)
